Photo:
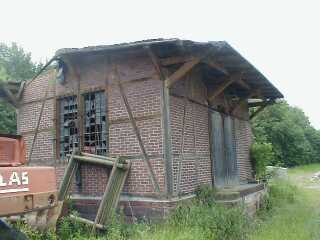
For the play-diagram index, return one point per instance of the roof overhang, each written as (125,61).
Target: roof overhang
(222,53)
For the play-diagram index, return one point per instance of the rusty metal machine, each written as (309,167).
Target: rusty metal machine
(27,191)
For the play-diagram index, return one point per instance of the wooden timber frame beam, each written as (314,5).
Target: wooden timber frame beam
(261,107)
(146,158)
(184,59)
(181,72)
(79,123)
(11,98)
(244,100)
(165,104)
(36,131)
(229,80)
(189,62)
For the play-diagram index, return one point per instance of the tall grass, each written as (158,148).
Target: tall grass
(288,213)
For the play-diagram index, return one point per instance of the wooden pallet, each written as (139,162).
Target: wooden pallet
(110,199)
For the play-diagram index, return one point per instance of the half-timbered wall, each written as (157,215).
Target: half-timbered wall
(143,89)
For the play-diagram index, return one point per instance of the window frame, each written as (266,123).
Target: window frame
(81,117)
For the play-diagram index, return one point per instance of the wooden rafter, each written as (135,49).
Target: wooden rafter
(230,79)
(262,106)
(174,60)
(256,104)
(242,101)
(181,72)
(215,65)
(189,64)
(243,84)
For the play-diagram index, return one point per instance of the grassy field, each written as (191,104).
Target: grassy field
(299,219)
(292,211)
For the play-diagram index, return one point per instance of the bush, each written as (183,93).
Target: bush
(262,155)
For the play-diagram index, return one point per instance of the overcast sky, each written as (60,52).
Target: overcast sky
(281,38)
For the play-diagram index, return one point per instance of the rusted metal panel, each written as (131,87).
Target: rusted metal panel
(12,151)
(22,180)
(26,189)
(16,205)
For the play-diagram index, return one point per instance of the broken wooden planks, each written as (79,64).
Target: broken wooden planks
(110,199)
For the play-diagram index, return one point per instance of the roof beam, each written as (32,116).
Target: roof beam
(242,101)
(175,60)
(229,80)
(261,107)
(182,59)
(245,85)
(215,65)
(181,72)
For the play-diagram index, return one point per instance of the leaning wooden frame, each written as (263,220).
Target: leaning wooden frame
(110,198)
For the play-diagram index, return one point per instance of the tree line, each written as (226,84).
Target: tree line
(284,136)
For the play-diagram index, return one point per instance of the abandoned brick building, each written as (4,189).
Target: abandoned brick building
(190,104)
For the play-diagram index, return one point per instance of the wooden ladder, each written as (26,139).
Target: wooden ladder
(110,199)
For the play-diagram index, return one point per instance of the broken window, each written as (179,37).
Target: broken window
(69,138)
(95,131)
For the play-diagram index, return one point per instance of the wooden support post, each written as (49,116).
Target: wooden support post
(230,79)
(182,145)
(165,106)
(67,178)
(244,100)
(79,123)
(138,135)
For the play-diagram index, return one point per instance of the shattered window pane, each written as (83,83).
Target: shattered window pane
(68,114)
(95,132)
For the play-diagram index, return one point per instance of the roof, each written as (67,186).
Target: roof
(223,54)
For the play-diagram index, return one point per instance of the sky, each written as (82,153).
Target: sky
(280,38)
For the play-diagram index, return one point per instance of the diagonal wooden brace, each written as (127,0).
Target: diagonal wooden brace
(138,135)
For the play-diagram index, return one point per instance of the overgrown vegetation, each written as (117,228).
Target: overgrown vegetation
(291,212)
(287,214)
(284,132)
(200,218)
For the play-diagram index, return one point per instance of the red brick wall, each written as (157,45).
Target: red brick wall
(196,163)
(143,89)
(243,136)
(28,114)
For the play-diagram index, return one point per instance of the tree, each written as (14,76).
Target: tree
(15,64)
(294,141)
